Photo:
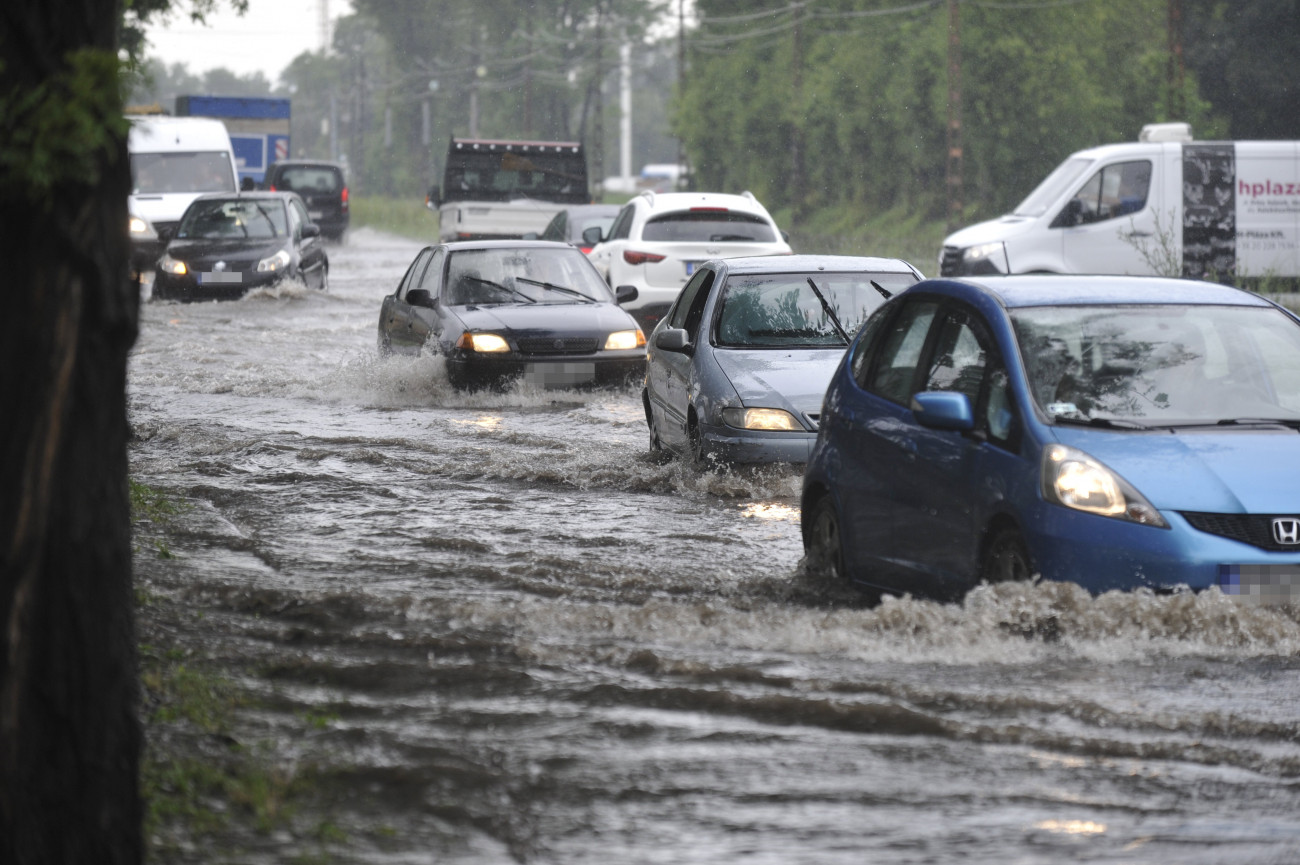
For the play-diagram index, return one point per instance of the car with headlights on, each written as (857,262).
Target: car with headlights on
(500,310)
(229,243)
(1115,432)
(659,239)
(736,370)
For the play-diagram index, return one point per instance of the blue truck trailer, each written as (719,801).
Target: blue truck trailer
(258,126)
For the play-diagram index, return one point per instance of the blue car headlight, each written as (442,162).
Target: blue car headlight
(1075,480)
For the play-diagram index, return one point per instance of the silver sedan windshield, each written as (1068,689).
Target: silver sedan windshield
(1164,364)
(779,310)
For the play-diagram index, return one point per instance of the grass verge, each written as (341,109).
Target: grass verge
(407,217)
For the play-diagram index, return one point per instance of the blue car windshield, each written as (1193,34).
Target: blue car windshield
(781,309)
(1162,364)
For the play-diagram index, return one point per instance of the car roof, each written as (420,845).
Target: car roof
(828,263)
(461,245)
(662,201)
(256,194)
(305,163)
(1060,290)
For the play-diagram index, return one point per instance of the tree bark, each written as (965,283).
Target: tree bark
(70,737)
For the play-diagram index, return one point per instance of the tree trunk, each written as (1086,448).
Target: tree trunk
(69,732)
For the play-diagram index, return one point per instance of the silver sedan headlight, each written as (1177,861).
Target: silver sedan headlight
(770,419)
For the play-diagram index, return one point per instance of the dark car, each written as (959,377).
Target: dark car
(504,309)
(322,186)
(568,225)
(226,244)
(1115,432)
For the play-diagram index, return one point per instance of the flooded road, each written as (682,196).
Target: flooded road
(493,629)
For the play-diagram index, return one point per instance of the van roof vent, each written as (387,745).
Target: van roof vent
(1166,132)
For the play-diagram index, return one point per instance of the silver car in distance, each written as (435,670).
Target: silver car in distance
(737,368)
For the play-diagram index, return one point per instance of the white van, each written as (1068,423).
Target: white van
(1164,205)
(173,161)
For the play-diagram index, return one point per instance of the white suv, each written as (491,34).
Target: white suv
(658,239)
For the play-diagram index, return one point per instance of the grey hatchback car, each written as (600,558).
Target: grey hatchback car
(737,368)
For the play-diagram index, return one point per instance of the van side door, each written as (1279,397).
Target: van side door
(1113,223)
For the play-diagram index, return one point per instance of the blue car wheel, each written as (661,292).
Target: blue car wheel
(823,546)
(1006,558)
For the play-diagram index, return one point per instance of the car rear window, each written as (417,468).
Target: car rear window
(309,179)
(709,226)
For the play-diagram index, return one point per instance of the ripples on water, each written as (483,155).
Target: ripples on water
(539,643)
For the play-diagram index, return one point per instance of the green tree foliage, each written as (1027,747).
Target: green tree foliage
(845,102)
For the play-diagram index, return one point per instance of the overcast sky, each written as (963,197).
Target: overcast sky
(266,39)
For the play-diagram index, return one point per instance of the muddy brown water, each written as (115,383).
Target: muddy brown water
(525,640)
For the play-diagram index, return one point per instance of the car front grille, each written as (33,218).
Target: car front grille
(557,345)
(1253,529)
(950,261)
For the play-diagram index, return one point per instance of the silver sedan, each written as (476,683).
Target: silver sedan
(737,368)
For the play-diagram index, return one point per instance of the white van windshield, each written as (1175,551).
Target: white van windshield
(1053,187)
(159,173)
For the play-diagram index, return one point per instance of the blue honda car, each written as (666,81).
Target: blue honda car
(1116,432)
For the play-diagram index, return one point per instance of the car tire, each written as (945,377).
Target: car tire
(656,444)
(384,343)
(325,278)
(822,541)
(1006,558)
(695,441)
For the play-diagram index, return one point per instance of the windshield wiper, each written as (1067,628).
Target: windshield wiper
(507,289)
(880,288)
(553,287)
(1106,422)
(1293,423)
(829,312)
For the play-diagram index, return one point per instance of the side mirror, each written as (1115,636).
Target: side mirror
(311,229)
(943,409)
(625,294)
(673,339)
(433,198)
(421,297)
(1070,216)
(248,184)
(166,234)
(592,235)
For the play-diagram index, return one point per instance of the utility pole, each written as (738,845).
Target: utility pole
(625,106)
(1177,105)
(681,86)
(798,193)
(954,118)
(597,149)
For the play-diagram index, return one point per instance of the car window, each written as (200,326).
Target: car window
(297,217)
(957,361)
(1114,191)
(623,223)
(698,283)
(865,348)
(557,228)
(429,278)
(232,219)
(795,309)
(309,179)
(581,225)
(707,225)
(1165,363)
(900,352)
(530,275)
(414,272)
(207,171)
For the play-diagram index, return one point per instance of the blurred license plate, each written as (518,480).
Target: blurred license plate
(315,214)
(220,276)
(690,267)
(1261,584)
(559,374)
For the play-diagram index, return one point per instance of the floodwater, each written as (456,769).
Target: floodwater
(519,638)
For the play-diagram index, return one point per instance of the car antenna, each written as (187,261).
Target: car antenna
(880,288)
(830,312)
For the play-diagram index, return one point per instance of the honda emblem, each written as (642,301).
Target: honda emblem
(1286,530)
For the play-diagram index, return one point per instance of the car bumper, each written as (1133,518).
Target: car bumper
(754,446)
(1100,554)
(607,370)
(189,287)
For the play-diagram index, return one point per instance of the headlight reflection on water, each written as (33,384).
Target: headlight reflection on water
(770,511)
